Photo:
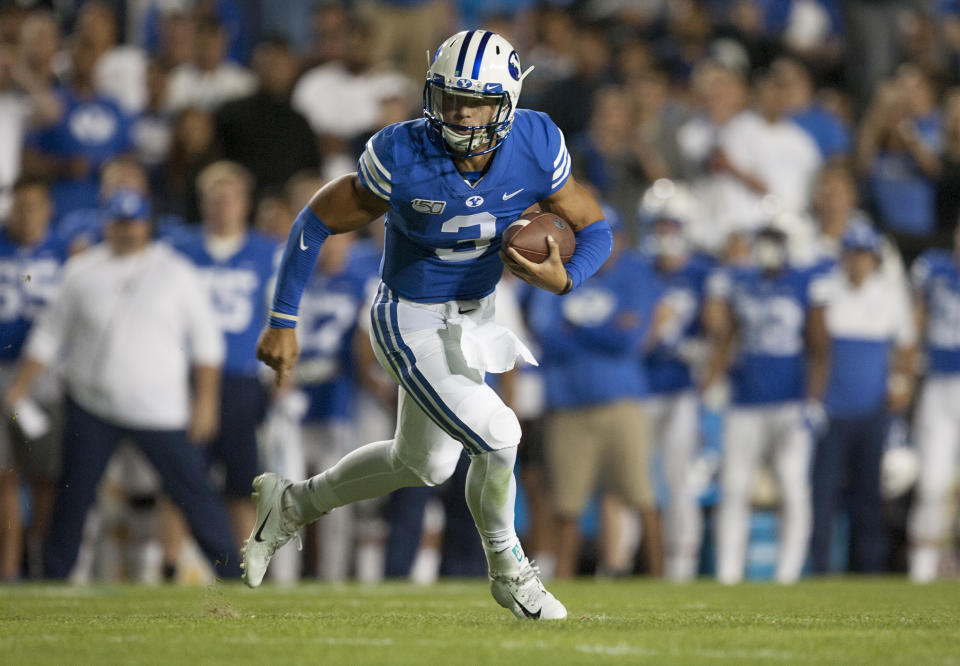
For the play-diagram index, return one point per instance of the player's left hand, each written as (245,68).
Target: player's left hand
(549,275)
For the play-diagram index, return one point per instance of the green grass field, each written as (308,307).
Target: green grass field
(611,622)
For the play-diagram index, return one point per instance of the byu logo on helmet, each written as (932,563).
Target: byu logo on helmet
(513,65)
(474,201)
(464,83)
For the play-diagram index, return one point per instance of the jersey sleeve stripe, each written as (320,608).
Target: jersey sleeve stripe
(376,161)
(562,151)
(560,175)
(373,181)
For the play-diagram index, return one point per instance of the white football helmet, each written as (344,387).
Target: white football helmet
(667,201)
(478,65)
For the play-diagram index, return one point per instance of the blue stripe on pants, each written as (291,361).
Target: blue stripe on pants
(403,363)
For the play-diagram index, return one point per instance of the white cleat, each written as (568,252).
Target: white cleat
(270,529)
(524,595)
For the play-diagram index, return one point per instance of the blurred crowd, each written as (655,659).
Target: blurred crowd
(772,354)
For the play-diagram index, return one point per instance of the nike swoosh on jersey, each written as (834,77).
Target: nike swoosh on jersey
(532,616)
(256,537)
(512,194)
(302,246)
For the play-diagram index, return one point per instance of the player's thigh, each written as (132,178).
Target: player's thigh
(744,435)
(428,364)
(937,433)
(792,450)
(573,456)
(628,451)
(680,436)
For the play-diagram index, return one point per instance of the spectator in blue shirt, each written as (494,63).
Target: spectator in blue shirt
(90,130)
(596,426)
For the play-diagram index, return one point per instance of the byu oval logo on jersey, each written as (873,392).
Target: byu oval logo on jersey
(474,201)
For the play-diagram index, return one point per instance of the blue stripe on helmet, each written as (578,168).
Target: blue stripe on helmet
(476,61)
(463,53)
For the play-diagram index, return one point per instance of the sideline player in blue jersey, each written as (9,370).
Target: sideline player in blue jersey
(326,374)
(449,185)
(31,259)
(936,285)
(237,266)
(771,334)
(673,406)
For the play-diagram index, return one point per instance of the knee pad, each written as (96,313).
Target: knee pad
(498,427)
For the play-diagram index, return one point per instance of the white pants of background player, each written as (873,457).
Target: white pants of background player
(675,421)
(750,435)
(438,354)
(937,434)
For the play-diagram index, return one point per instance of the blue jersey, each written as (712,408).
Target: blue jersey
(591,339)
(770,314)
(28,281)
(329,309)
(443,234)
(238,291)
(936,279)
(93,129)
(683,290)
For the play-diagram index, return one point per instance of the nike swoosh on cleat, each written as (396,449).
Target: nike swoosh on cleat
(256,537)
(532,616)
(302,246)
(512,194)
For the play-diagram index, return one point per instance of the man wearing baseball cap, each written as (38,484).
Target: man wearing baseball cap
(872,335)
(134,326)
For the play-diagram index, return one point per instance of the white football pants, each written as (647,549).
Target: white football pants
(438,354)
(937,434)
(751,434)
(675,421)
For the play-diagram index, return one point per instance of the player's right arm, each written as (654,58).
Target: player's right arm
(342,205)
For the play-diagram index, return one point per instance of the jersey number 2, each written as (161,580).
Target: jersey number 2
(474,247)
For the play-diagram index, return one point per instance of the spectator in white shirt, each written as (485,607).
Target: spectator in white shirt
(211,79)
(121,69)
(764,164)
(343,100)
(130,320)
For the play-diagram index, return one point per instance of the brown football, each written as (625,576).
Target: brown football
(528,236)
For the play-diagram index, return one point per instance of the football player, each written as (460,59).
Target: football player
(329,310)
(449,185)
(237,266)
(30,265)
(673,406)
(769,328)
(936,282)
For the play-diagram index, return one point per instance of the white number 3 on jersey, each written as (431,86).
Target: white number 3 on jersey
(471,248)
